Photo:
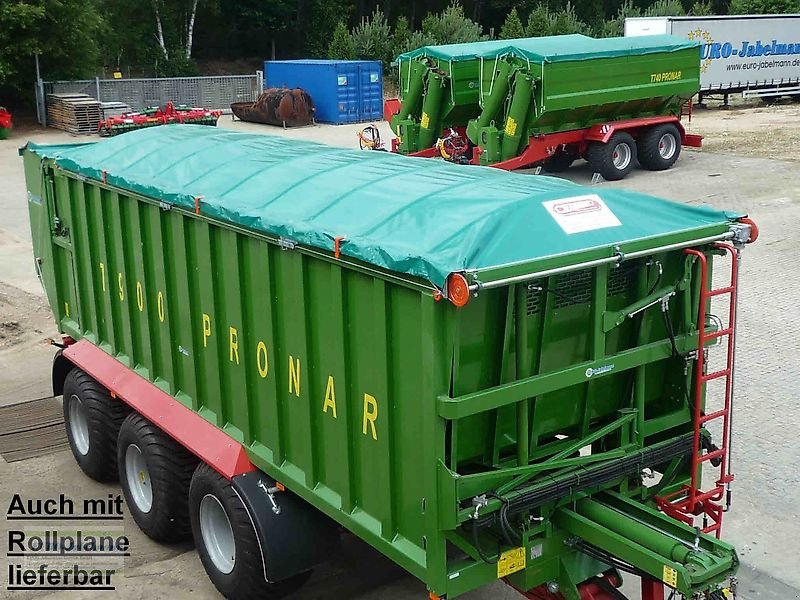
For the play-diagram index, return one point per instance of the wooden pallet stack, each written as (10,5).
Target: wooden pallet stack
(78,114)
(113,109)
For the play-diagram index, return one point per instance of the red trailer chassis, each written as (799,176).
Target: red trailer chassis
(542,147)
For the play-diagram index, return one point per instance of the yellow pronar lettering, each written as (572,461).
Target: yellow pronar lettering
(121,291)
(103,276)
(294,375)
(665,76)
(330,397)
(262,359)
(370,415)
(160,303)
(233,344)
(206,329)
(139,296)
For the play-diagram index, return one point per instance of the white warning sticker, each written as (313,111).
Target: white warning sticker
(581,213)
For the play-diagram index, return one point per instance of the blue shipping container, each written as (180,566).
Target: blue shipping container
(343,91)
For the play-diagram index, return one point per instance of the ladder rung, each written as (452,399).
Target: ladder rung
(715,415)
(720,291)
(716,375)
(712,494)
(716,334)
(672,495)
(712,528)
(712,455)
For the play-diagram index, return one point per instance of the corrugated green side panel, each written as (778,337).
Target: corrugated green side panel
(312,365)
(416,217)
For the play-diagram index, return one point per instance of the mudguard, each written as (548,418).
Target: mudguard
(294,537)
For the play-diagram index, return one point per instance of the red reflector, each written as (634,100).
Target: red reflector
(457,289)
(753,229)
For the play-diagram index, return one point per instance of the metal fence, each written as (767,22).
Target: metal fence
(216,92)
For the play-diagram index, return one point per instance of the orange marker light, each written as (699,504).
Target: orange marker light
(457,289)
(753,229)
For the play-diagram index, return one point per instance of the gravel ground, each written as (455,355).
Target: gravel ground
(748,165)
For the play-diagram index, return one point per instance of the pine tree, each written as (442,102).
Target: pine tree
(512,28)
(341,46)
(402,37)
(701,9)
(566,21)
(539,21)
(665,8)
(372,38)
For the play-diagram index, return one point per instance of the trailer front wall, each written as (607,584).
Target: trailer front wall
(560,330)
(319,370)
(461,96)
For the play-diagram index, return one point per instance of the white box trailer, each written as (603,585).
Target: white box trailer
(751,54)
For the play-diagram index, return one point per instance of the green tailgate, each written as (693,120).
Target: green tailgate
(345,378)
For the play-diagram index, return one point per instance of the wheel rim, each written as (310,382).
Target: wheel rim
(138,478)
(667,145)
(621,156)
(215,527)
(79,425)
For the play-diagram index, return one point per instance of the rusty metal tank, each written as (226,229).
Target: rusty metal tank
(278,106)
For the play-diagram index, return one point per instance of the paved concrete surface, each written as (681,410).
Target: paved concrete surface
(763,523)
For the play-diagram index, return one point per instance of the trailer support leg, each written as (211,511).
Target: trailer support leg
(652,589)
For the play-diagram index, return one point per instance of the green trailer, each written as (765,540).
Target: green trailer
(550,100)
(482,375)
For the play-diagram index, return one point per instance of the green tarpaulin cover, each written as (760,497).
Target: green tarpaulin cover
(557,48)
(422,217)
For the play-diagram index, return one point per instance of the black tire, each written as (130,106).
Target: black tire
(246,578)
(167,476)
(652,145)
(602,157)
(92,419)
(769,100)
(559,162)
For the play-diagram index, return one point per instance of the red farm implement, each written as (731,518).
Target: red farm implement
(154,116)
(5,123)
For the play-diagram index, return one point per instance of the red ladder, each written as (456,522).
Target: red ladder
(686,109)
(688,502)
